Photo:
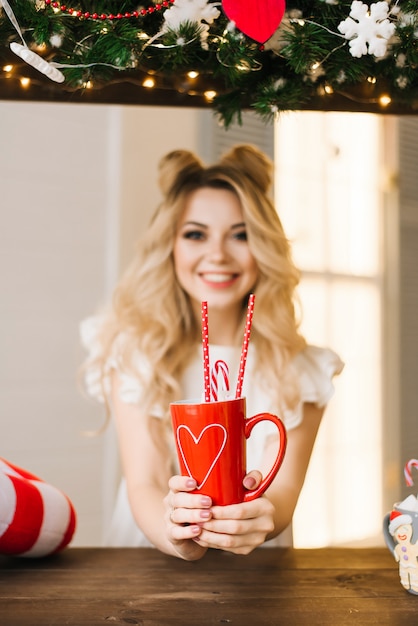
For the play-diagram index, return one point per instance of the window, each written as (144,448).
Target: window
(328,195)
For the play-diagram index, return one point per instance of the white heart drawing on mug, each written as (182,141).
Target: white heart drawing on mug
(196,441)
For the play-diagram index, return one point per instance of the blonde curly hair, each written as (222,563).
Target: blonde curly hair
(151,314)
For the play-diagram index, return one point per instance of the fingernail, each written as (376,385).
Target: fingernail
(205,501)
(205,514)
(191,483)
(250,482)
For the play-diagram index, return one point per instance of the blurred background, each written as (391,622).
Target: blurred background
(78,184)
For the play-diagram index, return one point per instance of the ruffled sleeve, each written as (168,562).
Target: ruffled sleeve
(316,368)
(131,386)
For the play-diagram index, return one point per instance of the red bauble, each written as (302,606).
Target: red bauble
(258,19)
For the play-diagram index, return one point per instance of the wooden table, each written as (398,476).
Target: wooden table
(92,586)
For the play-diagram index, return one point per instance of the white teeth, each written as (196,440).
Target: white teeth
(218,278)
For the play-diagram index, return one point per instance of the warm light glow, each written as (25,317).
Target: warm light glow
(25,82)
(314,66)
(88,84)
(385,100)
(210,95)
(7,68)
(192,74)
(40,47)
(328,89)
(371,79)
(149,83)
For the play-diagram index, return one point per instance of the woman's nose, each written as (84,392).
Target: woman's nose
(217,250)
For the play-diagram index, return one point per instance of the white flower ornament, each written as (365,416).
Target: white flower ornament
(367,30)
(195,11)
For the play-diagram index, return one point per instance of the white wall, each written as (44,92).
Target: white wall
(77,183)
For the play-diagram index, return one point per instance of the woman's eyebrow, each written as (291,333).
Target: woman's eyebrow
(191,223)
(200,225)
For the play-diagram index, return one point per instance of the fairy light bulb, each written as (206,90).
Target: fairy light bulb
(328,89)
(385,100)
(41,47)
(371,79)
(192,74)
(149,83)
(88,84)
(7,68)
(209,95)
(25,82)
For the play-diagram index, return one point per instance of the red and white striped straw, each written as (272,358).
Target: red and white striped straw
(244,351)
(220,374)
(205,344)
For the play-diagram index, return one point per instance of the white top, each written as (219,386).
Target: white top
(315,367)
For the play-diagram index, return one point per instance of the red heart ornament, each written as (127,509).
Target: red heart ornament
(258,19)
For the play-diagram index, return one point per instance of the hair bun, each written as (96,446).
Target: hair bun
(174,163)
(251,161)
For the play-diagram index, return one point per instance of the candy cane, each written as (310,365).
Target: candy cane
(407,471)
(219,371)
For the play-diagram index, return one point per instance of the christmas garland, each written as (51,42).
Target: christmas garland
(364,52)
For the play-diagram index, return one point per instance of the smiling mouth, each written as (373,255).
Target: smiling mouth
(218,278)
(401,537)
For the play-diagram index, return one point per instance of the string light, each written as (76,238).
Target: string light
(149,83)
(25,82)
(210,95)
(8,68)
(192,74)
(385,100)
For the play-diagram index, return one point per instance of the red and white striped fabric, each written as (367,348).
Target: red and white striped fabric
(36,518)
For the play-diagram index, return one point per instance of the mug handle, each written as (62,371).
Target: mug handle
(389,540)
(266,482)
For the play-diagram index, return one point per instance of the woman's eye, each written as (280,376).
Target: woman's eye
(193,234)
(241,235)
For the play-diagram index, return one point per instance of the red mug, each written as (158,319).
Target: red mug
(211,447)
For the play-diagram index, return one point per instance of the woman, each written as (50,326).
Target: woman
(216,237)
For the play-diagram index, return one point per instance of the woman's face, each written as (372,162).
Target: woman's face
(212,259)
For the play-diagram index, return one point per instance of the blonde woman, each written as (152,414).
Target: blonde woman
(216,237)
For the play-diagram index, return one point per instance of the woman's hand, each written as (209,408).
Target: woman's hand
(192,521)
(238,528)
(184,515)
